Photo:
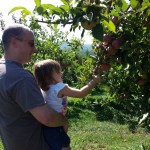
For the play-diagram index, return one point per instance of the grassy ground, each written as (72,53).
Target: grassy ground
(1,146)
(94,130)
(87,133)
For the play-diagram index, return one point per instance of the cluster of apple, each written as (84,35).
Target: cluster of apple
(109,47)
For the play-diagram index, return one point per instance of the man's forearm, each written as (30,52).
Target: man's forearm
(56,119)
(49,117)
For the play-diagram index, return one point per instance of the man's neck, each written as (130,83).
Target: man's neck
(7,56)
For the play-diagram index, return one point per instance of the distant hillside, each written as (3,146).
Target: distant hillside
(86,47)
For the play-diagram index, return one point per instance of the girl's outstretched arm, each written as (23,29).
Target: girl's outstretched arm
(80,93)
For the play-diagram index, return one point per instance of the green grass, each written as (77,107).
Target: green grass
(90,132)
(87,133)
(1,146)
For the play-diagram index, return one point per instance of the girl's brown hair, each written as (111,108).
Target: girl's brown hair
(43,72)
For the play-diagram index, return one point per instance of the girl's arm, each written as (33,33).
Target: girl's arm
(80,93)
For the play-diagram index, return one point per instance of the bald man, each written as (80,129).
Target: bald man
(22,107)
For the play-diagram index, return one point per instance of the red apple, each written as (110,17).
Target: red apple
(141,81)
(115,19)
(91,1)
(111,51)
(105,67)
(116,43)
(107,39)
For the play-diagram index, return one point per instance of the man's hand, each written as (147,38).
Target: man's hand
(66,128)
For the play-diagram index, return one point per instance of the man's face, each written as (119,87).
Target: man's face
(26,47)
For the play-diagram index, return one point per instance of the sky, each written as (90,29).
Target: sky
(7,5)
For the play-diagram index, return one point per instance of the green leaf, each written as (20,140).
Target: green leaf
(145,4)
(55,26)
(25,12)
(18,8)
(110,25)
(114,13)
(121,4)
(124,5)
(97,32)
(37,3)
(48,6)
(65,7)
(51,7)
(134,3)
(65,2)
(148,12)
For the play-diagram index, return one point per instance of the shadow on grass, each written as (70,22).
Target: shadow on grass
(111,112)
(102,113)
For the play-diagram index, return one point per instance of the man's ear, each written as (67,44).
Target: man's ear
(14,42)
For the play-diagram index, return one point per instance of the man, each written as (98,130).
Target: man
(22,107)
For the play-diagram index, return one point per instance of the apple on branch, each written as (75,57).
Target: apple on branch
(111,51)
(105,67)
(115,19)
(140,81)
(106,39)
(117,43)
(91,1)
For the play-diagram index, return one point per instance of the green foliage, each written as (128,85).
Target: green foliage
(97,31)
(128,53)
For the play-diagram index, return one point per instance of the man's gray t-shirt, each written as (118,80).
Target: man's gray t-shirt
(19,93)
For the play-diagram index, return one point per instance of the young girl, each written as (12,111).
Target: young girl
(49,78)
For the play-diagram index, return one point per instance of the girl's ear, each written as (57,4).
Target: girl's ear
(57,77)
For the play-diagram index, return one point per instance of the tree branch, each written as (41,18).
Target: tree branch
(55,22)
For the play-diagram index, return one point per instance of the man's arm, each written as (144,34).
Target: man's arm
(49,117)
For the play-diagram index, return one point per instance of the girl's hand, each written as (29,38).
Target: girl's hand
(66,128)
(98,78)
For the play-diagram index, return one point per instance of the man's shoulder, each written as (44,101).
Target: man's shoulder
(25,73)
